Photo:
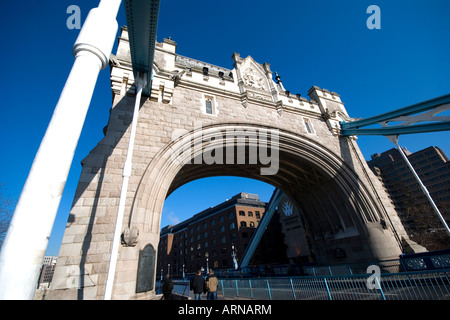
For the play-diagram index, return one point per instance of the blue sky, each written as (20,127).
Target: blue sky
(323,43)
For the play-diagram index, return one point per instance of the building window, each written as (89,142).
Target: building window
(222,229)
(250,214)
(209,105)
(242,213)
(243,224)
(209,108)
(252,224)
(232,226)
(258,214)
(309,126)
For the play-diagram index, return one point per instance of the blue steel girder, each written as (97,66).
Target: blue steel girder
(418,118)
(142,22)
(263,223)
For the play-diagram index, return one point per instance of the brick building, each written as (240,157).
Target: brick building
(210,236)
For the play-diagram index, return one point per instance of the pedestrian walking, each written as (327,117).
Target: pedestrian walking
(211,285)
(198,285)
(167,288)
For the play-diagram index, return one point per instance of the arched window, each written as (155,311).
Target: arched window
(309,126)
(209,106)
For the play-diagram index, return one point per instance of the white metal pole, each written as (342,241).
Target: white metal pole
(140,83)
(27,238)
(422,186)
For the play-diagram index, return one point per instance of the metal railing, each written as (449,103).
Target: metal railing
(421,285)
(434,261)
(416,262)
(180,287)
(418,277)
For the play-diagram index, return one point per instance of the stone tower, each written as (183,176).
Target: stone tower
(201,120)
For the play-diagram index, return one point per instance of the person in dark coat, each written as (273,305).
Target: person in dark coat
(167,288)
(198,285)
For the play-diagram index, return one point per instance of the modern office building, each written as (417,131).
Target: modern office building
(47,271)
(416,214)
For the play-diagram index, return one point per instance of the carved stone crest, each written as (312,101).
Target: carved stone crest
(253,79)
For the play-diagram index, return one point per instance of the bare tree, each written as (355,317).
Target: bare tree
(6,212)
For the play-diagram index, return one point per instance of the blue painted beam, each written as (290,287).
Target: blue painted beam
(142,22)
(399,130)
(357,127)
(414,109)
(263,223)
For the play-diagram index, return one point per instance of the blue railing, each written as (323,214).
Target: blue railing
(180,288)
(407,263)
(415,262)
(422,276)
(421,285)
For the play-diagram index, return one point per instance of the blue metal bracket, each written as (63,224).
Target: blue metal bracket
(142,22)
(256,238)
(418,118)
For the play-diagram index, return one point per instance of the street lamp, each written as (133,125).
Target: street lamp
(233,255)
(207,262)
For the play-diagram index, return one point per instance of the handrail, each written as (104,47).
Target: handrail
(419,285)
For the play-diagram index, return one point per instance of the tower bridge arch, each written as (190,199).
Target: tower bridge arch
(201,120)
(335,204)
